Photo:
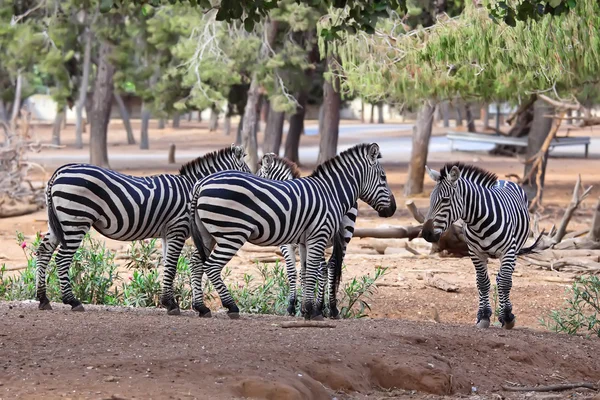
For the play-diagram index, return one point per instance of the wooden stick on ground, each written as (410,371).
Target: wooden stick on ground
(415,211)
(575,202)
(551,388)
(439,283)
(307,324)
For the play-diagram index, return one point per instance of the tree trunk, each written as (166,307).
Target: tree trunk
(17,100)
(144,140)
(420,148)
(497,117)
(125,117)
(57,125)
(540,128)
(100,115)
(161,123)
(362,111)
(200,115)
(470,119)
(520,128)
(238,136)
(485,116)
(445,114)
(332,100)
(176,119)
(459,116)
(227,125)
(189,116)
(251,119)
(372,119)
(213,124)
(264,113)
(85,77)
(380,112)
(273,131)
(292,142)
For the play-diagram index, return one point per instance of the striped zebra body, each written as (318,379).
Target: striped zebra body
(496,225)
(274,167)
(232,208)
(122,207)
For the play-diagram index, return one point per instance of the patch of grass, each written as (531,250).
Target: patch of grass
(581,313)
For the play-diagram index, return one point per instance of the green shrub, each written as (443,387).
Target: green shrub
(582,309)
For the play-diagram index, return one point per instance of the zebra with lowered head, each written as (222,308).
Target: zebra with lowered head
(123,207)
(274,167)
(232,208)
(496,225)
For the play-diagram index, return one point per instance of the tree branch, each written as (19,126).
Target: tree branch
(551,388)
(561,104)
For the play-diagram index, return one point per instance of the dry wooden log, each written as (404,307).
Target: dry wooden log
(439,283)
(575,202)
(575,234)
(399,232)
(578,264)
(414,211)
(554,254)
(551,388)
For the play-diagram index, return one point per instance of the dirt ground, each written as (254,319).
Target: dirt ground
(416,339)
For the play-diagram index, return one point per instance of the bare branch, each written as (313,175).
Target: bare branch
(560,104)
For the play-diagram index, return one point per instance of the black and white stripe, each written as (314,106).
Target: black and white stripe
(274,167)
(123,207)
(496,225)
(232,208)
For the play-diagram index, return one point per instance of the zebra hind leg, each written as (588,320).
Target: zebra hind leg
(504,283)
(44,254)
(322,279)
(484,313)
(313,261)
(63,263)
(219,257)
(289,254)
(197,270)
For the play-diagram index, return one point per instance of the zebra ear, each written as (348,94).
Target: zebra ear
(374,152)
(268,159)
(454,175)
(433,174)
(238,151)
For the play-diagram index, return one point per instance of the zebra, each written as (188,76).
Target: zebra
(123,207)
(496,225)
(272,166)
(232,208)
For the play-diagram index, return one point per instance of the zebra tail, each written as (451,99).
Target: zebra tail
(196,234)
(337,255)
(53,222)
(532,248)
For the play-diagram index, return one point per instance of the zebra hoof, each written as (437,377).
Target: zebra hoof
(510,325)
(317,317)
(207,314)
(233,315)
(45,306)
(483,323)
(78,308)
(174,311)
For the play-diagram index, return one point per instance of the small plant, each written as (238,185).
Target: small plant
(142,289)
(356,292)
(495,304)
(144,254)
(582,309)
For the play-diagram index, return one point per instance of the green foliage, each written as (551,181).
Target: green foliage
(474,58)
(355,294)
(525,10)
(582,309)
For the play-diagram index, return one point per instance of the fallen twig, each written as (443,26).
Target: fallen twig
(551,388)
(307,324)
(439,283)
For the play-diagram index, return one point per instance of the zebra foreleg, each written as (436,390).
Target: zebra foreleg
(484,312)
(323,268)
(289,254)
(44,254)
(504,282)
(197,270)
(173,246)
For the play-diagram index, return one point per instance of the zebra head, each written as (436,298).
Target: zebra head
(445,207)
(274,167)
(375,190)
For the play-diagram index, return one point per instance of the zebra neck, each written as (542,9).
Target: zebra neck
(343,184)
(473,202)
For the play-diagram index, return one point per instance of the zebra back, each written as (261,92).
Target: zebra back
(228,158)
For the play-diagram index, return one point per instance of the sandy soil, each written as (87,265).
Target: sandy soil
(426,342)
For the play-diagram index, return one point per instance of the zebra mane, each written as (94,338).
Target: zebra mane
(359,149)
(287,164)
(192,167)
(471,173)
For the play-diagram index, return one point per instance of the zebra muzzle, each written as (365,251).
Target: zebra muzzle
(429,233)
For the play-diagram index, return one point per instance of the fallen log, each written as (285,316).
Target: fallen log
(576,234)
(307,324)
(578,264)
(399,232)
(435,281)
(551,388)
